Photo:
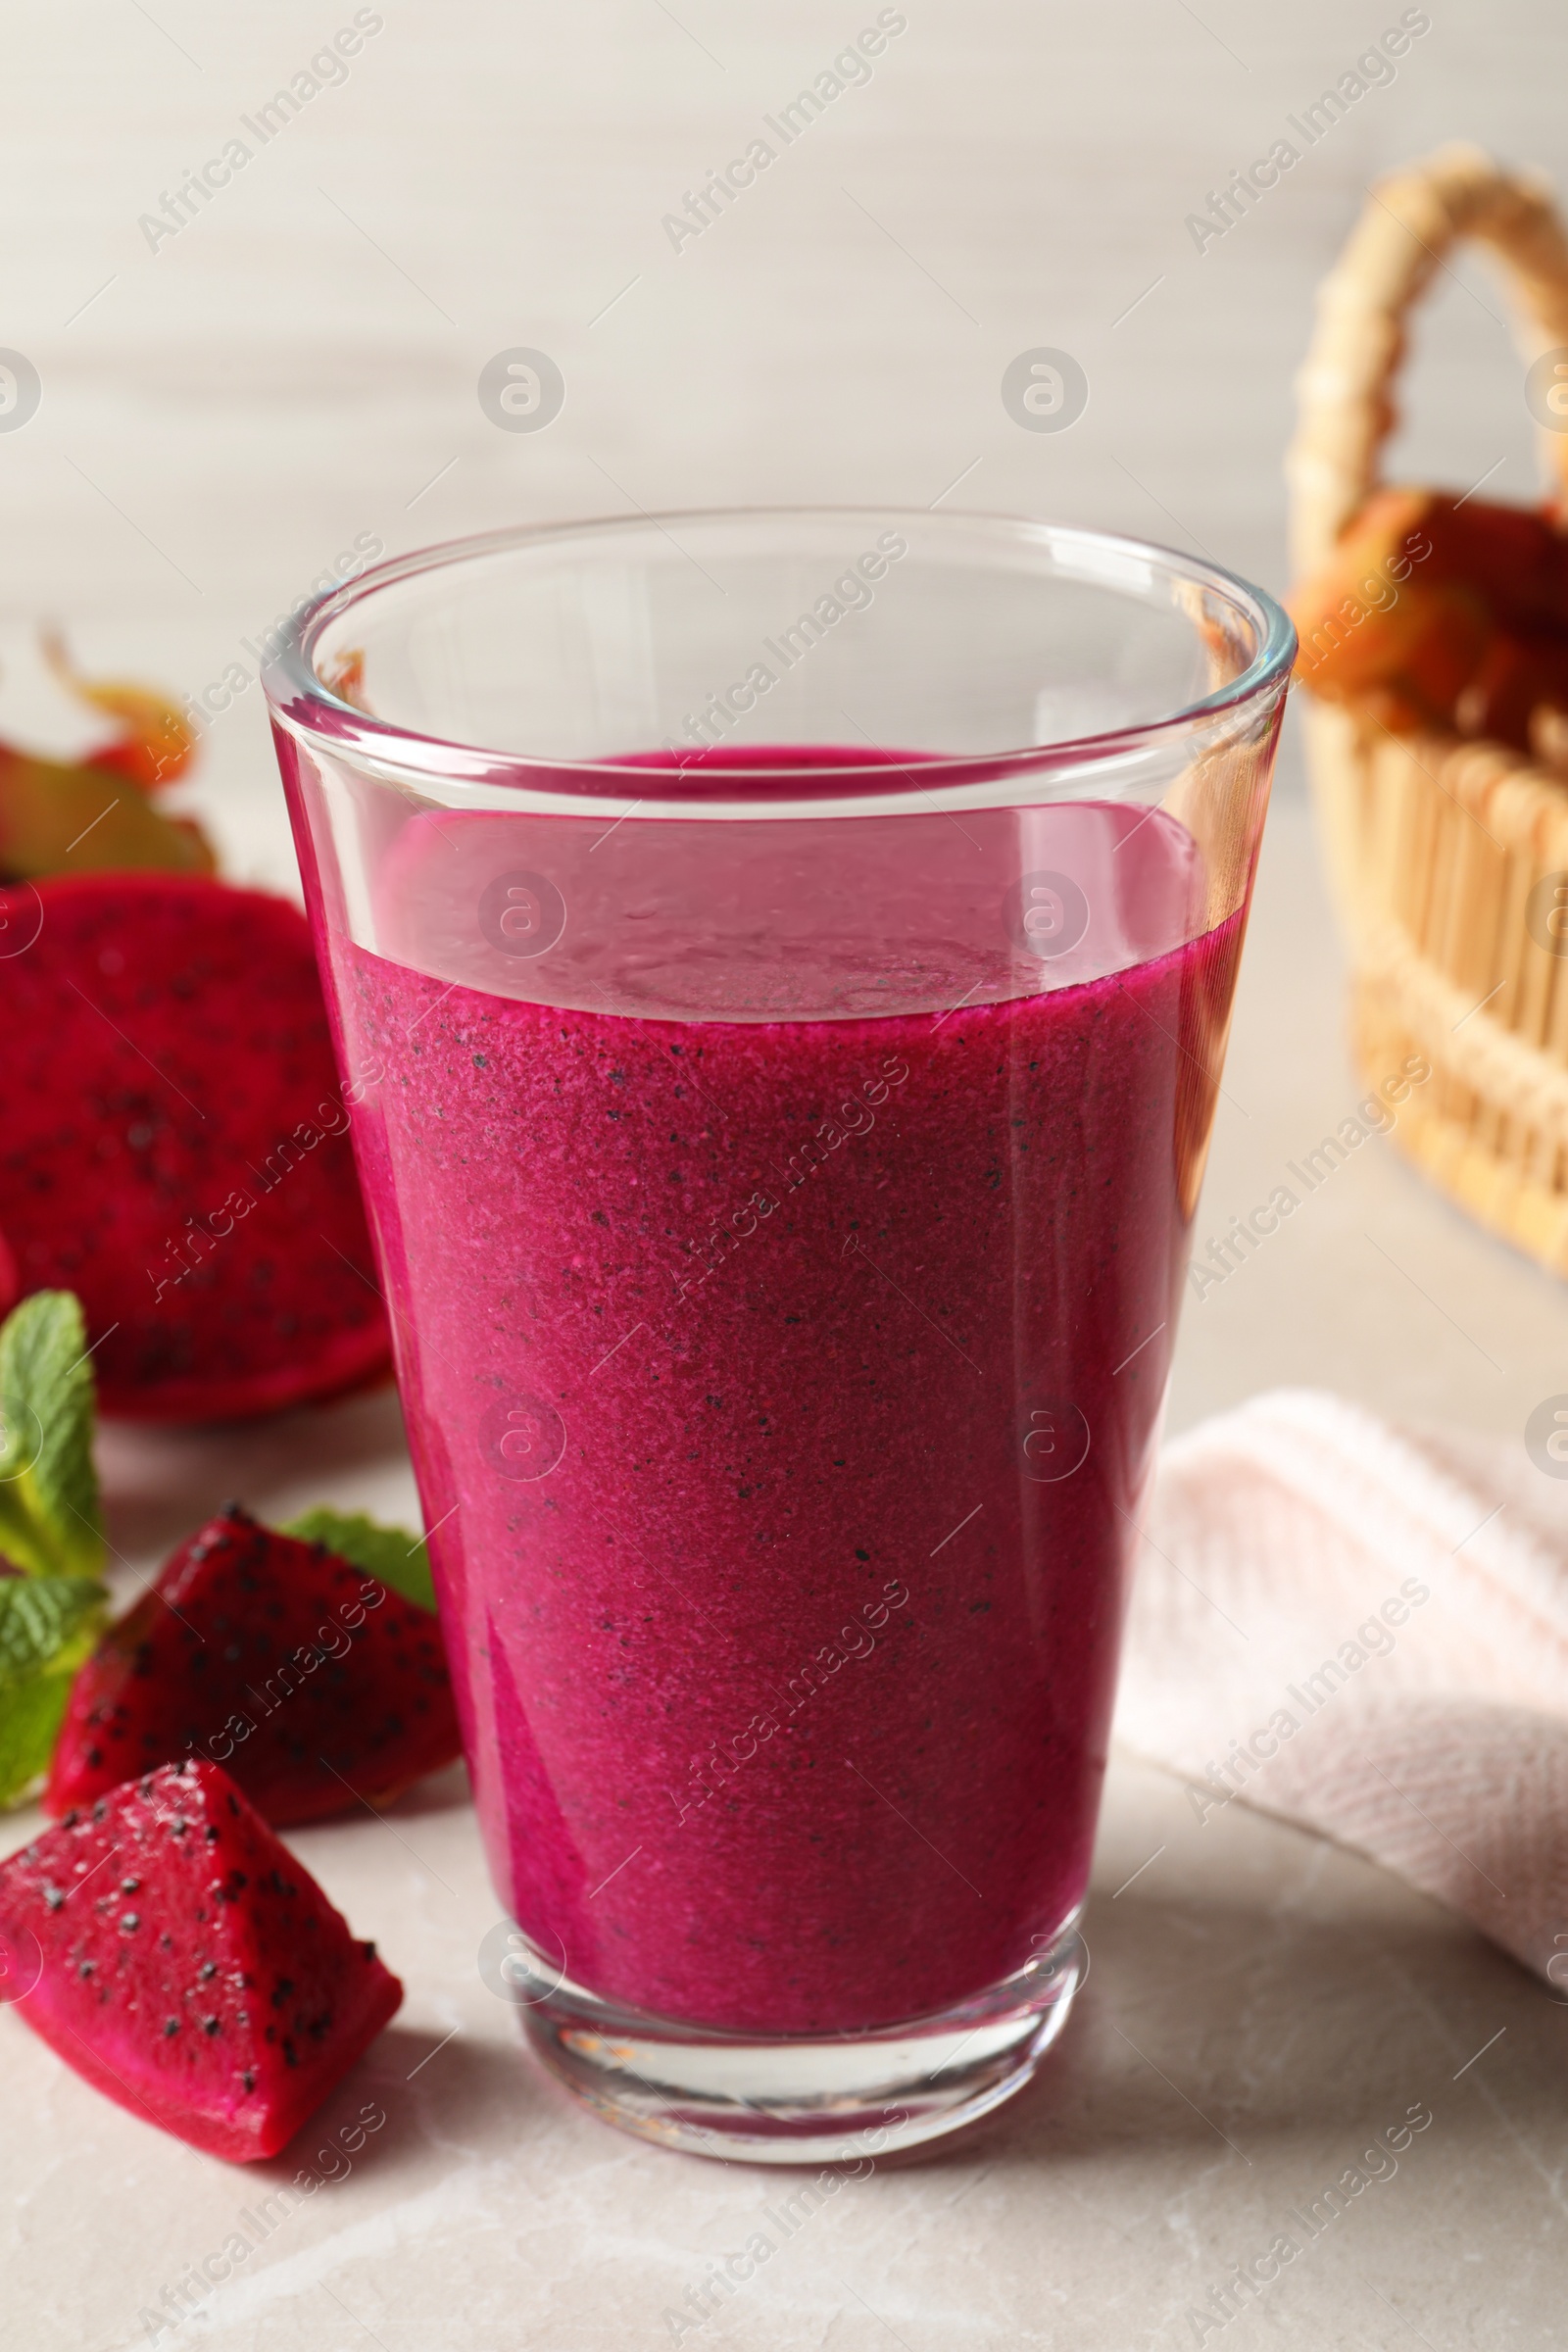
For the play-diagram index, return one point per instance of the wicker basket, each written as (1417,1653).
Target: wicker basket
(1436,842)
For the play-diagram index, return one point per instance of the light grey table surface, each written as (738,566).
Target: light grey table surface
(219,417)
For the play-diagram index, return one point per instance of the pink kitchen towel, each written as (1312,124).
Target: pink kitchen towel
(1364,1629)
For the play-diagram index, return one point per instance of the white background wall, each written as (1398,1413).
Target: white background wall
(220,416)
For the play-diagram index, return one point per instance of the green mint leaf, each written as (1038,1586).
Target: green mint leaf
(29,1725)
(46,1624)
(47,1628)
(397,1558)
(49,1518)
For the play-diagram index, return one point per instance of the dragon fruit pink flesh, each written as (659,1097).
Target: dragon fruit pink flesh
(175,1145)
(191,1969)
(316,1684)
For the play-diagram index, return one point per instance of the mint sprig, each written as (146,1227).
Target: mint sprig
(399,1559)
(50,1523)
(48,1624)
(53,1612)
(50,1528)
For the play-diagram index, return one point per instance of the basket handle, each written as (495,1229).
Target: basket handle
(1344,389)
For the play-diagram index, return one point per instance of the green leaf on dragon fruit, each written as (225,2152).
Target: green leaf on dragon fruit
(50,1523)
(47,1627)
(397,1558)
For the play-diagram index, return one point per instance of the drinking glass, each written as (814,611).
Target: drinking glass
(781,964)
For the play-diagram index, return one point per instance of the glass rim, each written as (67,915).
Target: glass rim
(300,699)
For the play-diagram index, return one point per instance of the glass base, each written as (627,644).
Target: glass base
(794,2099)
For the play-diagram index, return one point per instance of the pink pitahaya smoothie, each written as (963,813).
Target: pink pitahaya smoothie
(782,1392)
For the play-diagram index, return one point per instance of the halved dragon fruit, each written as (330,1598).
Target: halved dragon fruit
(187,1966)
(310,1680)
(175,1148)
